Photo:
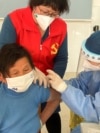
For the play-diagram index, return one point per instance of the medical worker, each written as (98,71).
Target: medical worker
(82,94)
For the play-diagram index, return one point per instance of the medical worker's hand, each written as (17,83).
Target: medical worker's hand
(55,81)
(40,77)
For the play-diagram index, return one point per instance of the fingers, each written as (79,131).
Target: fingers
(52,75)
(35,80)
(48,80)
(51,72)
(40,78)
(43,81)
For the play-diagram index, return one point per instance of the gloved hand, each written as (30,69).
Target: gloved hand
(55,81)
(40,77)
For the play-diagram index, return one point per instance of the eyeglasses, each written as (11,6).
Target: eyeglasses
(48,13)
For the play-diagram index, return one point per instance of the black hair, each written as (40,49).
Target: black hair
(58,5)
(9,54)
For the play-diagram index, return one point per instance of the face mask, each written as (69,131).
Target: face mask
(90,67)
(21,83)
(44,21)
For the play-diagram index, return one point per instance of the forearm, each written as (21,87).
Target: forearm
(81,104)
(52,104)
(49,110)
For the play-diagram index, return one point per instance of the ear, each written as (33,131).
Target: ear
(2,79)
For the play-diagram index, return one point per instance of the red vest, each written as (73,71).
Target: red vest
(28,35)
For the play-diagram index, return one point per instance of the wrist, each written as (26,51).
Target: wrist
(62,87)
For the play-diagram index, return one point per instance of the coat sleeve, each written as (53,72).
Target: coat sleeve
(7,33)
(61,58)
(84,105)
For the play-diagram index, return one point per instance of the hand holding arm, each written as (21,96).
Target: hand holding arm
(55,81)
(76,99)
(40,76)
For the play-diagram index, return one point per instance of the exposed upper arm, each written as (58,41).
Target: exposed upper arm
(54,95)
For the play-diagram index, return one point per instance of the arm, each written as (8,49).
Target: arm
(61,58)
(82,82)
(7,33)
(83,105)
(52,104)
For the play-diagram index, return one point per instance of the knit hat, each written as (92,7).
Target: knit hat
(91,47)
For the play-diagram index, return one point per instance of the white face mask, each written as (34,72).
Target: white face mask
(90,67)
(43,21)
(21,83)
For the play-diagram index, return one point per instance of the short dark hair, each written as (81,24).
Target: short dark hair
(9,54)
(57,5)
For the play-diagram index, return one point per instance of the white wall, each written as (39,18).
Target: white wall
(8,6)
(1,21)
(96,12)
(78,30)
(75,11)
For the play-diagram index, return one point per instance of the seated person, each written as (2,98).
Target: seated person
(19,96)
(82,94)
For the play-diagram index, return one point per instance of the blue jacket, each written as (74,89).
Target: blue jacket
(19,111)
